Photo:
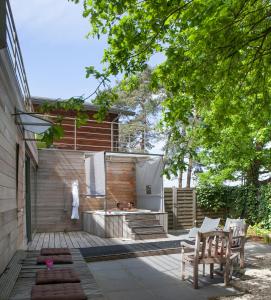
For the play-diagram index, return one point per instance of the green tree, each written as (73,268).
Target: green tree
(135,93)
(217,63)
(56,131)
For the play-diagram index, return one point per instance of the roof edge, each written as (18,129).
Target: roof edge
(89,106)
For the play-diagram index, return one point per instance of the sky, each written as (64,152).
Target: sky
(52,36)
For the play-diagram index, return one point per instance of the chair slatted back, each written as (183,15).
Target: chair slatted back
(238,227)
(213,245)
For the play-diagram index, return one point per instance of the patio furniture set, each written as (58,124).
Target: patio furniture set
(211,245)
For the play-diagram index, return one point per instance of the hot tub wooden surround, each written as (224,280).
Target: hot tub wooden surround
(135,226)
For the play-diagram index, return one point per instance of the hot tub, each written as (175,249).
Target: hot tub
(113,224)
(122,212)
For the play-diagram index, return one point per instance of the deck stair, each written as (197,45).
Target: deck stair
(143,226)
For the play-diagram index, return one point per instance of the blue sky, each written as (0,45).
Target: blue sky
(55,49)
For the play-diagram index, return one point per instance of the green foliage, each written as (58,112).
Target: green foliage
(253,204)
(259,231)
(104,99)
(135,93)
(217,69)
(56,131)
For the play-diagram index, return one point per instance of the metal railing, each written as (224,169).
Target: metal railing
(105,136)
(15,53)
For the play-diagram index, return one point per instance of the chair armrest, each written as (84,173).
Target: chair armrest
(187,245)
(184,245)
(239,237)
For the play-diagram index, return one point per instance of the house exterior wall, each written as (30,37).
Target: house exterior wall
(12,174)
(92,136)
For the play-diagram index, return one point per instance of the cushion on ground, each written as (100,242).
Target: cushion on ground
(61,291)
(66,275)
(57,259)
(55,251)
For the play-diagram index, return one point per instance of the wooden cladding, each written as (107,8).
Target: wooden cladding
(58,169)
(92,136)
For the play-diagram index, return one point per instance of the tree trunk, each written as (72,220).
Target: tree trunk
(180,180)
(189,172)
(143,132)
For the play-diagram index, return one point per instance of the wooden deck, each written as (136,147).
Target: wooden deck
(80,239)
(26,279)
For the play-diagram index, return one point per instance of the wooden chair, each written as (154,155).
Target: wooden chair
(210,248)
(239,229)
(207,225)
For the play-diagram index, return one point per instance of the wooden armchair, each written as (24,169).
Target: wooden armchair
(239,229)
(210,248)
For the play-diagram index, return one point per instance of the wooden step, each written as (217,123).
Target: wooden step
(135,217)
(143,223)
(149,236)
(133,226)
(149,230)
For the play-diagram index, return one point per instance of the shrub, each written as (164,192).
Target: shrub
(249,202)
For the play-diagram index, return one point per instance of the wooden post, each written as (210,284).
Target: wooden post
(175,206)
(3,24)
(194,208)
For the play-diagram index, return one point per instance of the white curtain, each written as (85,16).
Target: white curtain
(95,174)
(149,184)
(75,200)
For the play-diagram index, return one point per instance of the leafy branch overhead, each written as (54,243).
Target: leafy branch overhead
(216,68)
(56,132)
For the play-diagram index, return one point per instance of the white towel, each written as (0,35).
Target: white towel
(75,200)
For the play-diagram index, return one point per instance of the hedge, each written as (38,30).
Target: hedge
(253,204)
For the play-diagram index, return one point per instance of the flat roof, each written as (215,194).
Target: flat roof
(88,106)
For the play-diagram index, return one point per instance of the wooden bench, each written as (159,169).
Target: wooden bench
(11,273)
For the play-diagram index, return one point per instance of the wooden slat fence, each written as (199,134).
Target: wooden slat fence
(183,211)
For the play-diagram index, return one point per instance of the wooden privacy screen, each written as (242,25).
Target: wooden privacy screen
(183,211)
(58,169)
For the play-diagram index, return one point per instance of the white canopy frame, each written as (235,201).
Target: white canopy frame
(149,178)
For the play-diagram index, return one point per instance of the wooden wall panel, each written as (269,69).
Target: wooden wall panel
(121,182)
(9,218)
(188,212)
(58,169)
(56,172)
(92,136)
(12,200)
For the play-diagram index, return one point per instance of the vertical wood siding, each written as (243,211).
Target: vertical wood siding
(56,172)
(187,213)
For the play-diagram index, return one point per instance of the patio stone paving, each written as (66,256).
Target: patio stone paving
(152,277)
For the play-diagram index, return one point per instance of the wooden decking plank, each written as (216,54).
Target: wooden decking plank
(45,243)
(40,242)
(65,240)
(73,240)
(51,240)
(34,242)
(93,242)
(9,277)
(83,239)
(78,240)
(26,280)
(57,240)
